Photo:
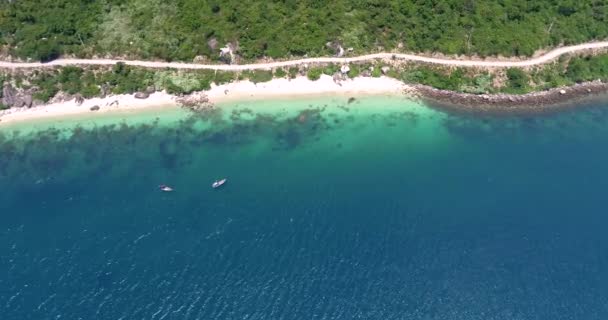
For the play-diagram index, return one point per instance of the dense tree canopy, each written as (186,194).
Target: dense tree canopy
(184,29)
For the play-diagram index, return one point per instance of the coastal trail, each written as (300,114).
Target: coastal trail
(547,57)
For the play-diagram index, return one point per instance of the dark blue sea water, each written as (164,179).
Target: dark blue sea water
(380,209)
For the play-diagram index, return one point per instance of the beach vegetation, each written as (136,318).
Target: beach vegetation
(293,72)
(280,73)
(177,82)
(588,68)
(331,69)
(354,70)
(376,72)
(314,74)
(90,91)
(518,81)
(257,76)
(222,77)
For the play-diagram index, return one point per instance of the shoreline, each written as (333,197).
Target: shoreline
(493,104)
(225,93)
(539,102)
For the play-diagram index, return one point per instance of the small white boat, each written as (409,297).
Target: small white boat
(165,188)
(218,183)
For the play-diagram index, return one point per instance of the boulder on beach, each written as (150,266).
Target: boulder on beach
(150,89)
(18,102)
(105,90)
(141,95)
(94,108)
(344,69)
(37,102)
(385,69)
(27,99)
(562,91)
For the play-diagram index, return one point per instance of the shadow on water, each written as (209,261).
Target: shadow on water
(99,150)
(54,152)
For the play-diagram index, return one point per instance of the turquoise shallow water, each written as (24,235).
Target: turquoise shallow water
(378,209)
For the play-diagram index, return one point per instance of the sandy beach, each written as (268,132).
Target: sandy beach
(235,91)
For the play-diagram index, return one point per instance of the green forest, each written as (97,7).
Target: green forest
(181,30)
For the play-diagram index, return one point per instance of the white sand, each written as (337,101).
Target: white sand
(301,86)
(240,90)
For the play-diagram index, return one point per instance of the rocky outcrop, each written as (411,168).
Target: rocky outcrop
(13,98)
(227,53)
(105,90)
(197,101)
(535,102)
(37,102)
(78,98)
(212,44)
(336,47)
(28,100)
(18,103)
(9,94)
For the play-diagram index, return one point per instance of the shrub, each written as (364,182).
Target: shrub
(90,91)
(331,69)
(293,72)
(280,73)
(314,74)
(377,72)
(518,80)
(222,77)
(257,76)
(354,71)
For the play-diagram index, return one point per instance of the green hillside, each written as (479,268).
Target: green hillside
(184,29)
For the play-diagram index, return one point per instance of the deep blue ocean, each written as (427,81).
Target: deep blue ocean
(378,209)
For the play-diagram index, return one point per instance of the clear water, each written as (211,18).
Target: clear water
(378,209)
